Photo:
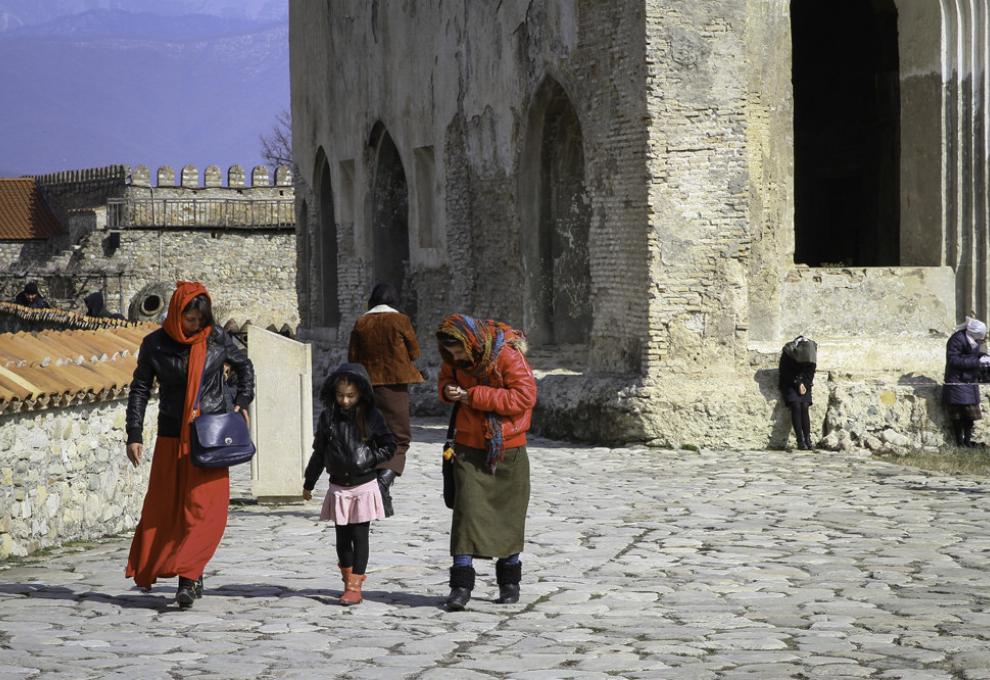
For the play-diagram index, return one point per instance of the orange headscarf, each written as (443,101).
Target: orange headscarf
(184,293)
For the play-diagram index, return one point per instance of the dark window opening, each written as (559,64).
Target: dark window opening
(327,242)
(846,132)
(557,249)
(390,220)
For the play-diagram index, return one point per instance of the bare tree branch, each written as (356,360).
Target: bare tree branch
(276,147)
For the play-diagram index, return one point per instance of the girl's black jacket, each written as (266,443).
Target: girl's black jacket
(338,446)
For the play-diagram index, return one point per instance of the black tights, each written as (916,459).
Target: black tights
(352,546)
(801,420)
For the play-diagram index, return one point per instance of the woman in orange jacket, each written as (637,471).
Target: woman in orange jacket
(485,372)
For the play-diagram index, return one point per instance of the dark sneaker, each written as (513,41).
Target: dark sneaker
(186,593)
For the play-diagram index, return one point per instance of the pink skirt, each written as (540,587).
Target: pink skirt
(353,504)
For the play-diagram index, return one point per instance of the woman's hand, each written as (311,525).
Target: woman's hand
(134,453)
(243,412)
(802,390)
(455,393)
(307,494)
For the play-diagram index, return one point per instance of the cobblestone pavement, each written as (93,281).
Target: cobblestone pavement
(639,564)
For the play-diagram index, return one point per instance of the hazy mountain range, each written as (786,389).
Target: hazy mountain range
(85,83)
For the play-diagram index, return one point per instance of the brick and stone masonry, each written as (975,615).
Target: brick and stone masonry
(641,187)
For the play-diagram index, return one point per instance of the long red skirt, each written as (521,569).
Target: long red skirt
(183,518)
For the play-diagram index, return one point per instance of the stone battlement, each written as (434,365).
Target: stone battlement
(188,177)
(109,173)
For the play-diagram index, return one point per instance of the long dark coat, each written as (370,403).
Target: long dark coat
(790,374)
(962,363)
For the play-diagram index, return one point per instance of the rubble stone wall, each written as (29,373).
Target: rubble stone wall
(64,476)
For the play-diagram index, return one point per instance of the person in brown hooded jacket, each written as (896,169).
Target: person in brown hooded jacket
(384,342)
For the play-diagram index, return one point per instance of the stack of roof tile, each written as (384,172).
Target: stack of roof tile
(52,369)
(57,316)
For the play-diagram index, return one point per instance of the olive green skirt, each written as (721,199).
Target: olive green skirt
(489,510)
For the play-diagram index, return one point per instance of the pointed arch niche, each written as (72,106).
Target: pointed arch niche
(389,216)
(325,260)
(555,216)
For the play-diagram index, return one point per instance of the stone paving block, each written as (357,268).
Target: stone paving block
(766,583)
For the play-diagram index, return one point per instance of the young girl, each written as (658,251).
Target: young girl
(351,441)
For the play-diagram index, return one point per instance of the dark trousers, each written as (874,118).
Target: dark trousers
(352,546)
(801,421)
(963,417)
(393,402)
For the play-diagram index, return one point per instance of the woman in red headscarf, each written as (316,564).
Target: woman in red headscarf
(185,509)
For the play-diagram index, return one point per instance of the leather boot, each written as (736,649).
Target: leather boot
(508,577)
(345,573)
(199,588)
(352,591)
(385,479)
(185,595)
(461,585)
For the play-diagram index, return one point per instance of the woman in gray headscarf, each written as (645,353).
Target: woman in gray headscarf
(961,395)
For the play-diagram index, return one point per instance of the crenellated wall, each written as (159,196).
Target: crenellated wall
(233,230)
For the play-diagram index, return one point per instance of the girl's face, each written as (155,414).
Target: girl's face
(192,321)
(347,395)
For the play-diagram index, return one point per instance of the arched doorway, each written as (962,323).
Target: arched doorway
(846,132)
(390,217)
(556,222)
(326,242)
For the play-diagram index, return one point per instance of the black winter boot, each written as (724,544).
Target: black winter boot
(385,479)
(185,595)
(461,585)
(199,587)
(508,577)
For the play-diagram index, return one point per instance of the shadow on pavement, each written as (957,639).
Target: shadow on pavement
(164,602)
(325,595)
(135,601)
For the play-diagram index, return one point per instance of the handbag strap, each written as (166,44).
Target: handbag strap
(453,419)
(199,393)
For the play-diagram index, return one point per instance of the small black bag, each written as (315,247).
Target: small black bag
(219,440)
(447,466)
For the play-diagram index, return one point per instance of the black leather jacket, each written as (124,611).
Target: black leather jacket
(166,360)
(338,446)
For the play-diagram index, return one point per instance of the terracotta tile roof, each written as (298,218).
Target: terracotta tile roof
(62,318)
(51,369)
(24,215)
